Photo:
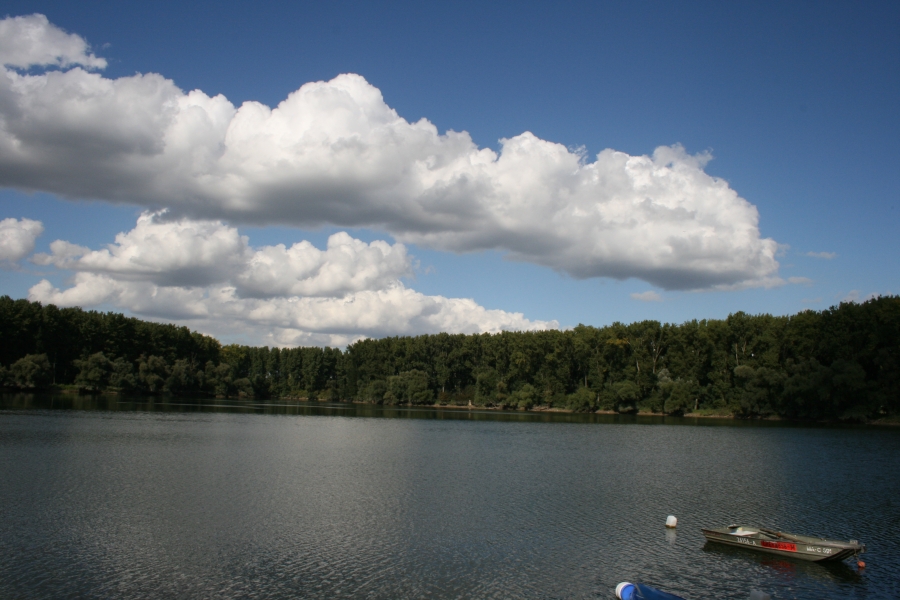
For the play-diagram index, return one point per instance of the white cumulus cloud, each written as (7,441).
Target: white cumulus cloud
(334,152)
(32,40)
(346,265)
(648,296)
(205,274)
(193,253)
(17,239)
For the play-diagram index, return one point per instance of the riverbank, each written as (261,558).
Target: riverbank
(701,414)
(712,414)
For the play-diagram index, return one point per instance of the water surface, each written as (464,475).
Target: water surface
(178,498)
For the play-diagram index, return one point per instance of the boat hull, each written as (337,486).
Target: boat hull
(796,547)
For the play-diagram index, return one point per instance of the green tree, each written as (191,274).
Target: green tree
(184,378)
(409,387)
(375,391)
(627,394)
(32,371)
(93,372)
(680,397)
(122,375)
(524,398)
(582,400)
(487,388)
(152,373)
(759,390)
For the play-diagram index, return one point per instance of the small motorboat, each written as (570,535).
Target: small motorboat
(802,547)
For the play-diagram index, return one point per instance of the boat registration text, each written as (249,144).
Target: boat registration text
(784,546)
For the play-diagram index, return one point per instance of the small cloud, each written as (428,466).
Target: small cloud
(32,40)
(800,280)
(648,296)
(811,300)
(17,239)
(856,296)
(825,255)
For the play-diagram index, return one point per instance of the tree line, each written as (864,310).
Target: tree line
(839,363)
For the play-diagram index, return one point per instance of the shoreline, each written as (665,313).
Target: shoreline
(889,421)
(892,421)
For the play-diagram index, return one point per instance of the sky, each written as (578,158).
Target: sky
(316,173)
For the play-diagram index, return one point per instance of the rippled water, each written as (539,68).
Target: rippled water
(187,500)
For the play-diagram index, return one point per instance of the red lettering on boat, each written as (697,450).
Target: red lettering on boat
(785,546)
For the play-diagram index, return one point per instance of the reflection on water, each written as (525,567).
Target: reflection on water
(111,402)
(671,537)
(839,572)
(155,497)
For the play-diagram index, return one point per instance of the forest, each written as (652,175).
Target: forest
(842,363)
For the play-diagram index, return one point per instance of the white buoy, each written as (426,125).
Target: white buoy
(671,522)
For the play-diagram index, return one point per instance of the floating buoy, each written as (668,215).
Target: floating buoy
(860,564)
(671,522)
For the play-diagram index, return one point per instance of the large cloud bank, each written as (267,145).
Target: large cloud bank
(205,274)
(334,152)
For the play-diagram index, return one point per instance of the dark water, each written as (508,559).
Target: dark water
(184,500)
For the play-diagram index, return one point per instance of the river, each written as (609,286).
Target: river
(153,498)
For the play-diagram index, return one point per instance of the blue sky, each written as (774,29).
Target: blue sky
(795,103)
